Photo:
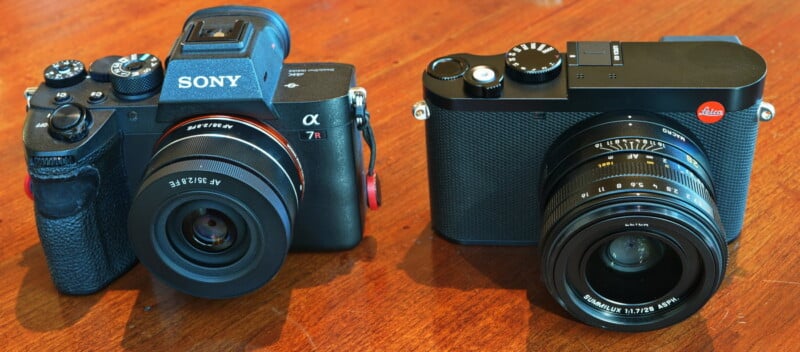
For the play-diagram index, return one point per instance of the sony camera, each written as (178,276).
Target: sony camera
(208,170)
(627,162)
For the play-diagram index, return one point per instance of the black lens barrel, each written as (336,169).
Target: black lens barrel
(213,216)
(620,177)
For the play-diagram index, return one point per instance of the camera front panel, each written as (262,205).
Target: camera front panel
(485,168)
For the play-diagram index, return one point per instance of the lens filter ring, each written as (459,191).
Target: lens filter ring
(669,292)
(262,221)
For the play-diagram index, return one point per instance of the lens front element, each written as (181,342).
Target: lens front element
(209,230)
(632,253)
(646,272)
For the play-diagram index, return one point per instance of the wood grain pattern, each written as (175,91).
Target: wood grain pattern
(403,288)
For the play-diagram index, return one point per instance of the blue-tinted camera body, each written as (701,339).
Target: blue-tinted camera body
(207,170)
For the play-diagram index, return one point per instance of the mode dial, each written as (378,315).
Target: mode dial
(533,62)
(64,73)
(136,75)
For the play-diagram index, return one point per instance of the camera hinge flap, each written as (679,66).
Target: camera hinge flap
(358,100)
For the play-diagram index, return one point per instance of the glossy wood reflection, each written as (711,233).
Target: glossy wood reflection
(403,288)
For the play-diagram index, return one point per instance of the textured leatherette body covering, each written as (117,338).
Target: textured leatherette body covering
(81,213)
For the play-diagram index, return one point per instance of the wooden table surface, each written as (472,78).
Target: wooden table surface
(403,288)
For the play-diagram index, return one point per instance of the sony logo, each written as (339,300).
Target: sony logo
(185,82)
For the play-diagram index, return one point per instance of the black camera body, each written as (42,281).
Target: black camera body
(484,154)
(225,159)
(627,162)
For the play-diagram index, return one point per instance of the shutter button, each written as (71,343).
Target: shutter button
(483,82)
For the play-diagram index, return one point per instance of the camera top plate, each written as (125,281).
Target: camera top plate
(604,76)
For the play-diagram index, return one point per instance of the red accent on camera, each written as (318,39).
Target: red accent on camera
(373,191)
(27,187)
(710,112)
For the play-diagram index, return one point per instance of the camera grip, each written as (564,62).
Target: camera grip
(81,213)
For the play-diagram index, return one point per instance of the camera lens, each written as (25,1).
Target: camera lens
(213,215)
(631,238)
(209,230)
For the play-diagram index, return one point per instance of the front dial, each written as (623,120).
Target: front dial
(533,62)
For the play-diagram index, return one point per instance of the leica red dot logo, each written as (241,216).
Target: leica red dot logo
(710,112)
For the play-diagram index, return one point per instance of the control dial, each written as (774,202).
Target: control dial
(136,75)
(447,68)
(533,62)
(69,123)
(64,73)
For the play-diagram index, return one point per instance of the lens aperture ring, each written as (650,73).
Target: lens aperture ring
(610,134)
(613,177)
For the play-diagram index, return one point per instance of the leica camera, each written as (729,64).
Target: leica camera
(209,170)
(628,163)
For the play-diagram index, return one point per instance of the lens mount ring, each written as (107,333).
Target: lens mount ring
(245,142)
